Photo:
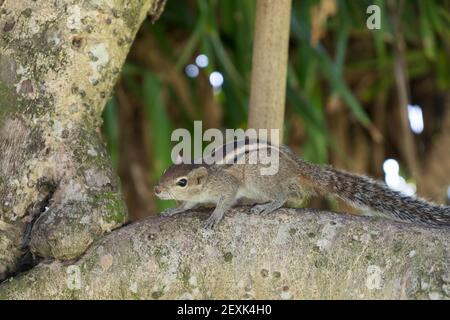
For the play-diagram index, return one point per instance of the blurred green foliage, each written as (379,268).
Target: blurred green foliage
(223,30)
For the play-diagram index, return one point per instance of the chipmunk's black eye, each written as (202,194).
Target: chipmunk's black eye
(182,182)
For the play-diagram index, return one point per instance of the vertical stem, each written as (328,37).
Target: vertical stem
(401,79)
(269,66)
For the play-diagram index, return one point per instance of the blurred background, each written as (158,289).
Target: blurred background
(374,102)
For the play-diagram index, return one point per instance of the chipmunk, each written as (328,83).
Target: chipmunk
(223,184)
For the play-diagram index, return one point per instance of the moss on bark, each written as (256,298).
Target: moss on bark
(329,256)
(58,65)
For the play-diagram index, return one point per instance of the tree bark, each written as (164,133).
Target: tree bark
(269,65)
(58,63)
(290,254)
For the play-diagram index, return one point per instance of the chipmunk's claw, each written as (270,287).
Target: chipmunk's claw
(266,208)
(211,222)
(261,209)
(170,212)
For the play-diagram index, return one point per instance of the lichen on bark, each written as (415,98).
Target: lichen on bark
(290,254)
(58,63)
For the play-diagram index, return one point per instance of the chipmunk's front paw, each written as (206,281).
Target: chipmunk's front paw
(212,221)
(170,212)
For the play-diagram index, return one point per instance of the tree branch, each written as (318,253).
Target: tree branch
(290,254)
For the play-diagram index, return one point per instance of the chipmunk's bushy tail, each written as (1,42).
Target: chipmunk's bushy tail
(366,193)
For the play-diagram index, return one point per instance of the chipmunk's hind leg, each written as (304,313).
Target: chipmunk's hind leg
(269,207)
(278,197)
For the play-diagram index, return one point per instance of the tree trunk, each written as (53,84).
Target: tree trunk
(58,63)
(269,65)
(289,254)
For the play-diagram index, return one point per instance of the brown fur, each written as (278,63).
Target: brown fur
(225,184)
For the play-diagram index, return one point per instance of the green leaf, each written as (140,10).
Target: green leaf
(339,86)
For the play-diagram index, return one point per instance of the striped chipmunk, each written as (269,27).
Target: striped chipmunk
(238,172)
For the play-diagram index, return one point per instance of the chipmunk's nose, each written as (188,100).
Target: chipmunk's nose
(157,189)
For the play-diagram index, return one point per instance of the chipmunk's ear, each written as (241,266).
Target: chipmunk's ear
(199,175)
